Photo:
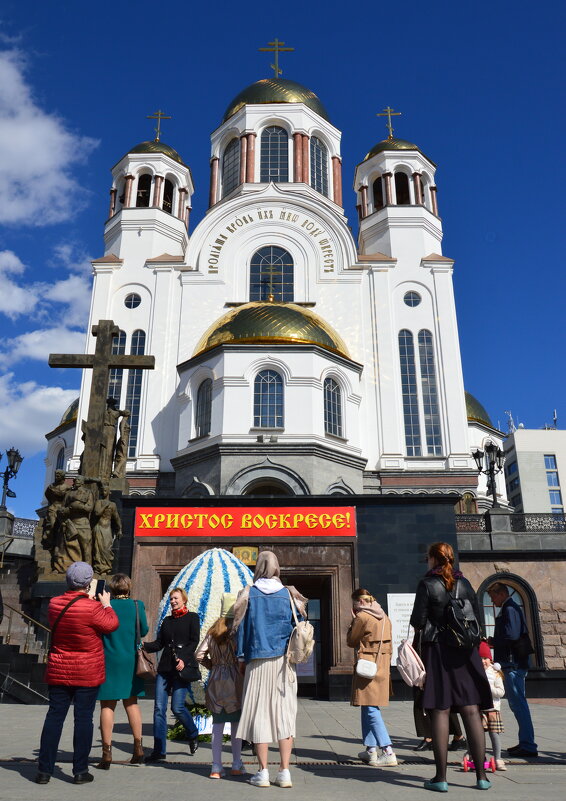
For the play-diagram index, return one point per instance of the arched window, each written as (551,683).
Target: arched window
(133,391)
(402,189)
(319,166)
(378,194)
(268,400)
(60,463)
(274,160)
(231,167)
(117,373)
(204,408)
(271,273)
(430,394)
(332,407)
(409,391)
(144,191)
(168,196)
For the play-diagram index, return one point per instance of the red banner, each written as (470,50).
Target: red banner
(227,521)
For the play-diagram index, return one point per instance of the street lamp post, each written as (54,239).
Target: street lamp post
(14,461)
(495,462)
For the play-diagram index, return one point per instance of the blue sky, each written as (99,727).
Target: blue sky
(481,89)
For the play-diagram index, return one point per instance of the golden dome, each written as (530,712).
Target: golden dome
(70,414)
(476,411)
(390,144)
(275,90)
(157,147)
(262,323)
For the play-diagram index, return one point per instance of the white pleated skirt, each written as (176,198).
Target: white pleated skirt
(269,708)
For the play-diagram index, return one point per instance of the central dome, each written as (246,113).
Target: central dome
(275,90)
(260,323)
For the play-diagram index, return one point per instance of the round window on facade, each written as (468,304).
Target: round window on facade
(412,298)
(132,301)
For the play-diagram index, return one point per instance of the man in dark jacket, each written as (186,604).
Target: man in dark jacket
(509,635)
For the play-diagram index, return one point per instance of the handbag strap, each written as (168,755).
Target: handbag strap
(292,600)
(138,635)
(60,615)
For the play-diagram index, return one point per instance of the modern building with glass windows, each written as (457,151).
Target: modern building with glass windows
(535,470)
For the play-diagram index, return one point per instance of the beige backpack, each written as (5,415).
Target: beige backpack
(301,641)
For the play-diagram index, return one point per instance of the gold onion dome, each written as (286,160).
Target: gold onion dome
(268,323)
(391,144)
(156,146)
(70,414)
(476,412)
(275,90)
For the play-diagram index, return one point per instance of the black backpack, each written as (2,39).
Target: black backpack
(461,628)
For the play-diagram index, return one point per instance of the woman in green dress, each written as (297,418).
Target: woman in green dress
(120,660)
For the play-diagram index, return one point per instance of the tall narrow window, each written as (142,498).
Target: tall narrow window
(231,167)
(268,400)
(430,394)
(144,191)
(378,194)
(274,162)
(60,463)
(117,373)
(204,408)
(332,407)
(133,391)
(168,196)
(319,166)
(409,390)
(271,273)
(402,189)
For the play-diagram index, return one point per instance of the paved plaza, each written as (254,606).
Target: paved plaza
(325,763)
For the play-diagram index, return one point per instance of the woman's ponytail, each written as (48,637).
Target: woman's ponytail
(443,555)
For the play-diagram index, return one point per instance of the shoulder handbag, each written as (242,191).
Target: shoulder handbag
(301,641)
(145,662)
(409,664)
(191,670)
(367,668)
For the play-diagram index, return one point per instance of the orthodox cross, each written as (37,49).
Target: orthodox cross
(276,47)
(389,112)
(159,115)
(101,362)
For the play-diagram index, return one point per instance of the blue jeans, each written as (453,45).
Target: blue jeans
(374,732)
(165,685)
(60,698)
(514,680)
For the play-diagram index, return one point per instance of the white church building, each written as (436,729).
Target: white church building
(290,358)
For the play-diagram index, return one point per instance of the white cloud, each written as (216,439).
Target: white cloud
(15,299)
(37,153)
(28,411)
(39,343)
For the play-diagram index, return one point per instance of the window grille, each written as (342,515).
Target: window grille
(204,408)
(231,167)
(133,391)
(409,392)
(319,166)
(430,394)
(271,272)
(332,407)
(274,156)
(268,400)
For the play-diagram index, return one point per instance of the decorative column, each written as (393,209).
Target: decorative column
(297,158)
(157,185)
(306,171)
(181,205)
(112,209)
(213,181)
(129,181)
(250,165)
(337,179)
(388,195)
(187,216)
(364,203)
(243,157)
(418,187)
(434,200)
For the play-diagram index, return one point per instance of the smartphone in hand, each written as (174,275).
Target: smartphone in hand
(100,588)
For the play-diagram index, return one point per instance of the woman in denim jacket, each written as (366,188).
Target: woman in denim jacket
(264,621)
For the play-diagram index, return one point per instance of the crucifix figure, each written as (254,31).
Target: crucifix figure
(276,47)
(389,112)
(99,440)
(159,115)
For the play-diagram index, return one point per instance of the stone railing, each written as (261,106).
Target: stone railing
(470,523)
(538,523)
(516,523)
(24,527)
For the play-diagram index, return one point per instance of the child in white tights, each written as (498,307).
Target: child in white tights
(492,722)
(224,689)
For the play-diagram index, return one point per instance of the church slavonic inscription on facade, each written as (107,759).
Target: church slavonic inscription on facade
(301,221)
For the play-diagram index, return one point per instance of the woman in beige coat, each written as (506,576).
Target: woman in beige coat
(370,635)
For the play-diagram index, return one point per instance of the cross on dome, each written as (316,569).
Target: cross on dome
(158,115)
(389,112)
(276,47)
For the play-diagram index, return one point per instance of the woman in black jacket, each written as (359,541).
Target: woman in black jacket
(455,678)
(178,638)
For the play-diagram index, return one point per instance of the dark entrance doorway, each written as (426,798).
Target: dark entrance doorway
(313,675)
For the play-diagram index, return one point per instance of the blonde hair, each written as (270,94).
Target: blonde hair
(362,594)
(221,630)
(182,591)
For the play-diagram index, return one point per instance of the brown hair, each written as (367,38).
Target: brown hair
(120,584)
(443,555)
(362,595)
(221,630)
(498,588)
(182,591)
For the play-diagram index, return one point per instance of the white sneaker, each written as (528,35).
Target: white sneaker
(369,757)
(260,779)
(283,779)
(385,761)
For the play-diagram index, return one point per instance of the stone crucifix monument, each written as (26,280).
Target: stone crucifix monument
(82,525)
